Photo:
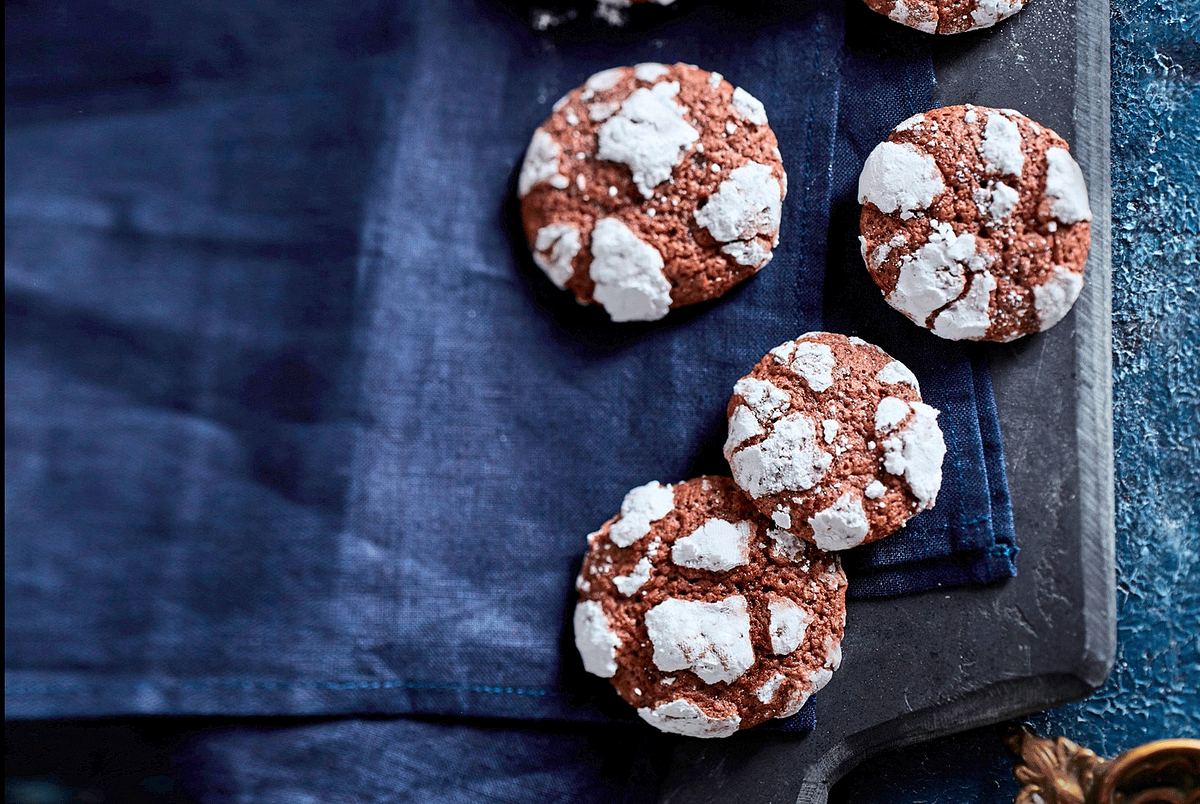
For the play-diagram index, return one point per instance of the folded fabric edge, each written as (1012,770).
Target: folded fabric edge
(36,699)
(981,567)
(993,453)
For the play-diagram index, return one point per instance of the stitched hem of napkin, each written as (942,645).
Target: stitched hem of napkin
(588,701)
(26,698)
(70,687)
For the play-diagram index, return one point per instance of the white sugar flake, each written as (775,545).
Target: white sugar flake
(896,373)
(789,623)
(788,545)
(684,717)
(540,164)
(748,107)
(1054,298)
(628,273)
(1001,145)
(641,508)
(840,526)
(649,71)
(554,250)
(788,459)
(710,639)
(635,580)
(969,317)
(746,206)
(595,640)
(766,692)
(1065,187)
(814,362)
(649,134)
(716,545)
(935,274)
(763,401)
(899,178)
(916,452)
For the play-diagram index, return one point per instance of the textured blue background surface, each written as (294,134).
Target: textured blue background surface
(1153,691)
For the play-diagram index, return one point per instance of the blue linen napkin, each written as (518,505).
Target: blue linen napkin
(340,761)
(293,424)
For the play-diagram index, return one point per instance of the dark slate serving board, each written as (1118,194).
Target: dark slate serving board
(925,666)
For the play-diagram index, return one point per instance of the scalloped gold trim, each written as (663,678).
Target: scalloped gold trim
(1058,771)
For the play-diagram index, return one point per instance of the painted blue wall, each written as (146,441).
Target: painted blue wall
(1153,690)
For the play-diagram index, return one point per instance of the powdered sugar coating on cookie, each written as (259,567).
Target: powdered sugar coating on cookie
(595,640)
(947,16)
(899,178)
(640,509)
(712,639)
(744,214)
(716,545)
(648,133)
(681,716)
(999,250)
(540,164)
(627,274)
(725,629)
(554,248)
(830,439)
(651,187)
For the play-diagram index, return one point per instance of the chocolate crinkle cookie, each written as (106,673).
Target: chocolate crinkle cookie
(947,16)
(830,439)
(975,223)
(652,187)
(702,615)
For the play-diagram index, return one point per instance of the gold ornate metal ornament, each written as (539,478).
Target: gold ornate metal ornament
(1058,771)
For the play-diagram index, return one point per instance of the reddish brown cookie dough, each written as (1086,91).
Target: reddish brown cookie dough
(975,223)
(829,437)
(652,187)
(705,618)
(947,16)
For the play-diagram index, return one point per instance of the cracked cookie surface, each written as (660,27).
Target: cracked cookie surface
(830,439)
(702,615)
(652,187)
(947,16)
(975,223)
